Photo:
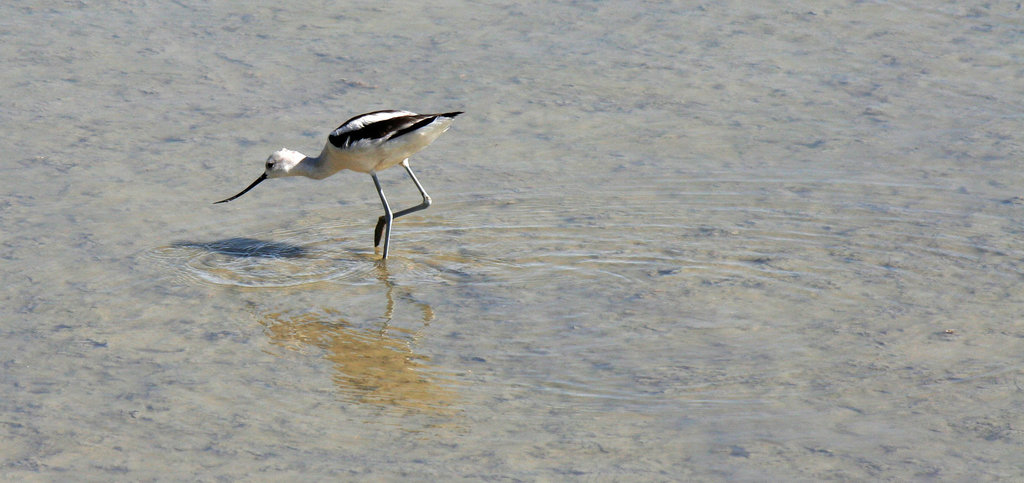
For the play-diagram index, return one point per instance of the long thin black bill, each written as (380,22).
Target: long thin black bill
(253,185)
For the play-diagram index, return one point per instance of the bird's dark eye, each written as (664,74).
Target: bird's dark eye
(270,165)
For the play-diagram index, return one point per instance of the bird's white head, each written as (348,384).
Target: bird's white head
(283,162)
(280,164)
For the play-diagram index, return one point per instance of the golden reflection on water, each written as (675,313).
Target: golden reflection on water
(371,366)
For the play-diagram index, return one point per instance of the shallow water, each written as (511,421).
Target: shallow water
(668,241)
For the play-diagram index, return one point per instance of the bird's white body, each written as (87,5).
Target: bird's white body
(367,155)
(366,143)
(361,153)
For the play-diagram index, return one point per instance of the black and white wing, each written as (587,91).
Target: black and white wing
(377,127)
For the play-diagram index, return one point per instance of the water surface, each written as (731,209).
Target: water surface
(669,241)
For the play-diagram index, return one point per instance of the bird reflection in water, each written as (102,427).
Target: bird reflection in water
(371,366)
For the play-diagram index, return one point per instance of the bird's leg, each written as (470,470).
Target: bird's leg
(421,206)
(385,222)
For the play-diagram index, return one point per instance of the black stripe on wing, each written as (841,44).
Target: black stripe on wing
(367,114)
(383,129)
(427,119)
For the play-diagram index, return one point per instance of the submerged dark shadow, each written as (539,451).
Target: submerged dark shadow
(247,248)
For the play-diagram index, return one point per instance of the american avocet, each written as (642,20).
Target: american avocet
(366,143)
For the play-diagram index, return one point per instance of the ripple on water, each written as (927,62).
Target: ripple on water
(794,238)
(847,240)
(282,258)
(667,257)
(658,257)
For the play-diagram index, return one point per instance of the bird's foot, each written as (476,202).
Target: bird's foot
(377,232)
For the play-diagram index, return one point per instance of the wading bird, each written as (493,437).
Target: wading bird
(366,143)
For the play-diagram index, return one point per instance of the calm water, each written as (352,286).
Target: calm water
(669,240)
